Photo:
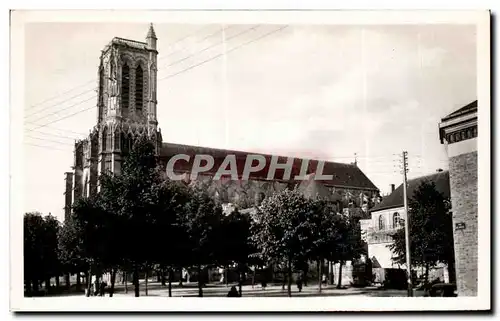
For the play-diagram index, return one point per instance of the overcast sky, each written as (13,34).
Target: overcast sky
(324,92)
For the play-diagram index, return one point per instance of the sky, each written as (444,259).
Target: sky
(314,91)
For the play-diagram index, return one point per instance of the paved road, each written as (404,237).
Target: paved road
(191,290)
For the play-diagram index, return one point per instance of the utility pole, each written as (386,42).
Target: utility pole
(407,222)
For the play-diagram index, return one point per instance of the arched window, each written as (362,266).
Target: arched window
(139,88)
(104,139)
(381,222)
(396,220)
(125,86)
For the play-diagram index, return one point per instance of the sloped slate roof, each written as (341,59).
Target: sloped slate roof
(344,175)
(395,199)
(472,107)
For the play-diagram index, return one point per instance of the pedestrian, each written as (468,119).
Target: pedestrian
(102,288)
(299,283)
(233,293)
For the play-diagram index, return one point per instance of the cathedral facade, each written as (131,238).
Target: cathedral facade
(127,109)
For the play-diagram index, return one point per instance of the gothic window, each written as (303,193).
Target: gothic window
(396,220)
(124,144)
(125,86)
(381,222)
(105,139)
(139,87)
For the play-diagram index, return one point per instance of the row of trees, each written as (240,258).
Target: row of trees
(139,221)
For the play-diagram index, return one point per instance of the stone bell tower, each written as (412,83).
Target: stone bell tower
(126,98)
(126,110)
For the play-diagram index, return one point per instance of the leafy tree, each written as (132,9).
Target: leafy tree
(41,260)
(168,201)
(350,245)
(200,222)
(33,251)
(431,230)
(284,231)
(70,248)
(234,244)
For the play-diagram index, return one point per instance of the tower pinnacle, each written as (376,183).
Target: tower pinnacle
(151,37)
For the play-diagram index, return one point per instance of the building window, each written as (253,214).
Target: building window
(125,85)
(381,222)
(139,88)
(396,220)
(104,139)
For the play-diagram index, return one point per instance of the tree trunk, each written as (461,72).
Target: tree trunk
(113,279)
(426,272)
(29,291)
(289,277)
(339,284)
(330,270)
(136,281)
(200,288)
(89,282)
(125,280)
(240,279)
(57,282)
(159,274)
(320,275)
(180,281)
(226,281)
(79,281)
(35,286)
(163,278)
(146,279)
(67,281)
(170,279)
(124,277)
(253,276)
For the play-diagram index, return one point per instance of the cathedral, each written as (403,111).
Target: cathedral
(127,109)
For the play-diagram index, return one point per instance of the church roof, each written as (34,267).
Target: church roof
(344,175)
(129,43)
(470,108)
(395,199)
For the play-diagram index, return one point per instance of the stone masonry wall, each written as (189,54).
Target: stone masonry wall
(463,183)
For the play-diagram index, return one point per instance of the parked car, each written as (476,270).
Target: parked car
(443,290)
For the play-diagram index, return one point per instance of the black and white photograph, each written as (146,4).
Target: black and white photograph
(250,160)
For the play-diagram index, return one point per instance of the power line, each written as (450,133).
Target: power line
(59,95)
(66,108)
(50,140)
(46,147)
(59,119)
(59,129)
(210,47)
(55,135)
(167,77)
(221,54)
(57,104)
(174,63)
(93,80)
(210,35)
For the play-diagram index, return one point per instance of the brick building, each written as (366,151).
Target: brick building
(458,132)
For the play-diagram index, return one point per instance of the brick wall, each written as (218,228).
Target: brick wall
(463,183)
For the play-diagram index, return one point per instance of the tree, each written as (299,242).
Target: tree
(92,225)
(234,243)
(200,223)
(41,261)
(284,231)
(70,248)
(431,230)
(350,245)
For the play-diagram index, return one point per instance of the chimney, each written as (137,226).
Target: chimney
(393,187)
